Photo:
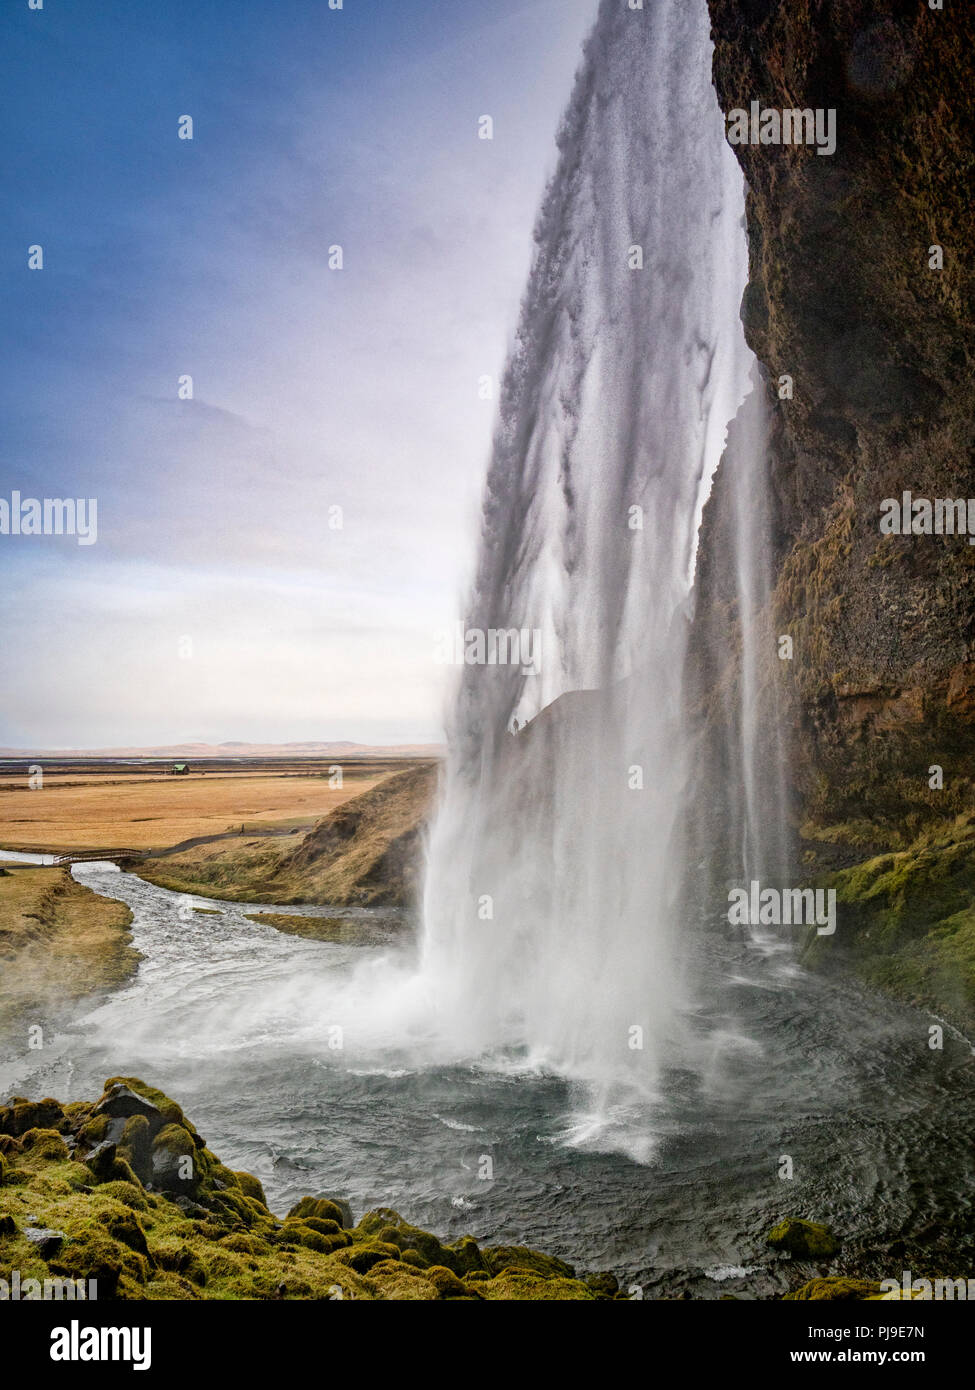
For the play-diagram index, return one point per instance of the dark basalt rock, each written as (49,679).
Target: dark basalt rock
(120,1104)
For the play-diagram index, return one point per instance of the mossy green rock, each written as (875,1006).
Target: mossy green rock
(132,1220)
(507,1257)
(803,1240)
(907,923)
(251,1187)
(174,1164)
(836,1289)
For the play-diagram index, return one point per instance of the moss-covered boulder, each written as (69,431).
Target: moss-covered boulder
(836,1289)
(803,1240)
(20,1115)
(324,1207)
(175,1163)
(251,1187)
(510,1257)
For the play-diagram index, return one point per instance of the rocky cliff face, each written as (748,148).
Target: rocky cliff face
(845,298)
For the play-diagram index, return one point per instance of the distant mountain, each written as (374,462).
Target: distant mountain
(208,751)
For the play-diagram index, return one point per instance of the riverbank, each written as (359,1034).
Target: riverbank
(59,941)
(126,1192)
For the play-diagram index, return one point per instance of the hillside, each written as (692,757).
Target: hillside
(367,852)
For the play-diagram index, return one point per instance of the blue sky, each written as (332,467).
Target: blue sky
(313,388)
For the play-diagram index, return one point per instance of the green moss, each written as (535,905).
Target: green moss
(174,1140)
(135,1146)
(23,1115)
(906,923)
(123,1172)
(522,1285)
(467,1256)
(446,1283)
(498,1258)
(45,1145)
(244,1244)
(128,1193)
(397,1282)
(93,1131)
(836,1289)
(803,1240)
(317,1206)
(251,1187)
(362,1256)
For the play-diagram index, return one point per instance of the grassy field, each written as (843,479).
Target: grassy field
(58,942)
(105,807)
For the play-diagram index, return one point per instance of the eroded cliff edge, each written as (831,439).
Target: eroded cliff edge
(842,298)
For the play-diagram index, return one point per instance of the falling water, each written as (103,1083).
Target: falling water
(764,842)
(554,864)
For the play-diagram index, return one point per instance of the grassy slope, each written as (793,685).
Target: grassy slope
(367,851)
(58,942)
(906,922)
(130,1220)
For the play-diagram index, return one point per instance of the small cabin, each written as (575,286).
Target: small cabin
(180,769)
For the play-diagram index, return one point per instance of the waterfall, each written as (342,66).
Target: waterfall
(764,842)
(554,863)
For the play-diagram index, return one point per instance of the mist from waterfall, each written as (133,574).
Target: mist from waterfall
(555,862)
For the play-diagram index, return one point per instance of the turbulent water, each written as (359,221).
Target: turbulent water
(236,1020)
(551,897)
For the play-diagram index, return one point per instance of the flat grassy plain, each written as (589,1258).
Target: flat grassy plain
(89,806)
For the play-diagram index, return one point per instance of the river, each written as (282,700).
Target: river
(310,1065)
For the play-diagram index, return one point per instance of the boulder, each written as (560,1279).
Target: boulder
(120,1102)
(803,1240)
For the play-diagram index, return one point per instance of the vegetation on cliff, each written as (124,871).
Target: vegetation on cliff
(907,923)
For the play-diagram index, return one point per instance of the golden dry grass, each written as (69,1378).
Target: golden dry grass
(91,811)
